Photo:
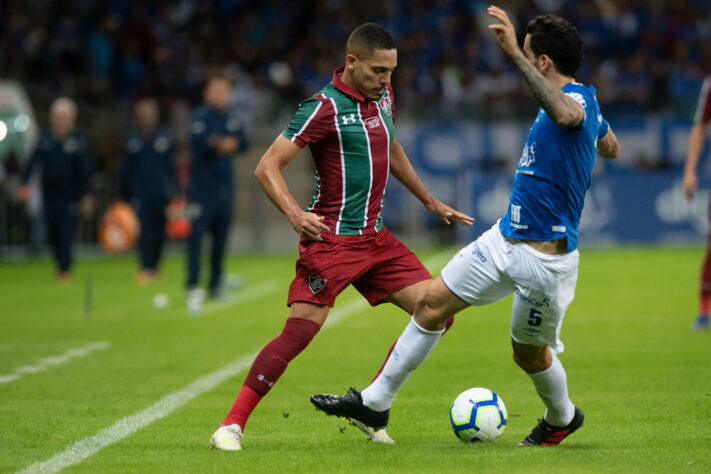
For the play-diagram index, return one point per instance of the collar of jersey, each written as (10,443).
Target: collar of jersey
(341,86)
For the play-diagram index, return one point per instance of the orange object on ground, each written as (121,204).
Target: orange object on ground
(177,225)
(119,228)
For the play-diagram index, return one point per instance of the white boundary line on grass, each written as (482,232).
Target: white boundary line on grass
(246,294)
(82,449)
(44,364)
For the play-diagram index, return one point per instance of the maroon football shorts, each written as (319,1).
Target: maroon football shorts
(376,264)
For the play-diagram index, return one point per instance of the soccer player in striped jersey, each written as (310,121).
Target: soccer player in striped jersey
(532,251)
(349,127)
(697,137)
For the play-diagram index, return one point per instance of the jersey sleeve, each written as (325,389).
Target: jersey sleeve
(703,108)
(312,122)
(580,99)
(603,128)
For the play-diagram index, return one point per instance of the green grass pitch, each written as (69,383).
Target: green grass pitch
(641,376)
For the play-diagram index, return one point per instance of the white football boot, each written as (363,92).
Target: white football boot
(227,438)
(194,300)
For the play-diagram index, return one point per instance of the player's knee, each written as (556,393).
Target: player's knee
(430,313)
(532,362)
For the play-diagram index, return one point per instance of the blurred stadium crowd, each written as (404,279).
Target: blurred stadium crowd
(642,55)
(646,58)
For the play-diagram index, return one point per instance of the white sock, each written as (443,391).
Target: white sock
(413,347)
(552,387)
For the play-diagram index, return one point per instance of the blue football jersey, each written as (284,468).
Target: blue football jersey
(554,174)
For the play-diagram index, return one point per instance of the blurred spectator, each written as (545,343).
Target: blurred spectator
(216,136)
(98,50)
(63,160)
(147,179)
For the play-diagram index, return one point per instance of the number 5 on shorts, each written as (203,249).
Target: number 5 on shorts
(534,317)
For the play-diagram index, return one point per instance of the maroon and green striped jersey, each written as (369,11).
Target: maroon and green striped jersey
(350,138)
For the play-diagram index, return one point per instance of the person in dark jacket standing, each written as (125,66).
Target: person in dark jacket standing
(215,136)
(62,158)
(147,180)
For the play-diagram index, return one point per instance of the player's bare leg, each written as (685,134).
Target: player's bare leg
(561,418)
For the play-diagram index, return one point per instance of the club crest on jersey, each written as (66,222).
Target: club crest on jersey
(316,283)
(385,105)
(373,122)
(529,155)
(348,119)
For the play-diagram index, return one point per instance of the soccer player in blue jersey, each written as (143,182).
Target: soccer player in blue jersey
(531,252)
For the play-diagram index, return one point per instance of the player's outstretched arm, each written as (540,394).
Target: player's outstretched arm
(608,146)
(402,169)
(268,173)
(563,110)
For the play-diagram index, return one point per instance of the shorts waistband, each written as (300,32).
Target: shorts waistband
(349,238)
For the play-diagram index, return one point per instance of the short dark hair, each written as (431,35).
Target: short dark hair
(367,38)
(558,39)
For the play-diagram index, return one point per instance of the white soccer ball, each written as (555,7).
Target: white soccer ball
(478,414)
(161,300)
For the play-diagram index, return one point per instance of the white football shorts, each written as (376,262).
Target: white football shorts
(494,266)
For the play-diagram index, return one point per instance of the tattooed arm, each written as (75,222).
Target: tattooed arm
(563,110)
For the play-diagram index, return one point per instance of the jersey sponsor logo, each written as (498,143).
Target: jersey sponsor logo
(528,157)
(385,105)
(476,251)
(316,283)
(346,119)
(544,303)
(373,122)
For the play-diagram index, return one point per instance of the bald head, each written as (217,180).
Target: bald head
(367,38)
(62,116)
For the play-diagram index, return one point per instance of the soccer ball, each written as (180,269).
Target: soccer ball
(478,414)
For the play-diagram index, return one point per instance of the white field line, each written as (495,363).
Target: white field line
(44,364)
(246,294)
(82,449)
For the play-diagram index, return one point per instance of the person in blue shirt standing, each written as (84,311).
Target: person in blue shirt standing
(216,135)
(147,179)
(62,156)
(531,252)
